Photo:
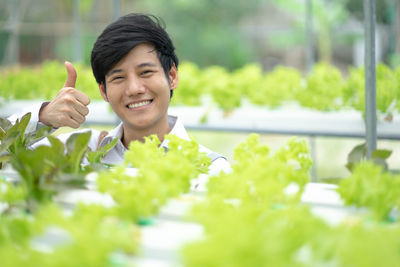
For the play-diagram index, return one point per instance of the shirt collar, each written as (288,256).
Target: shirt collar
(177,129)
(174,122)
(115,133)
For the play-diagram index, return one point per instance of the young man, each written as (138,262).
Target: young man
(135,66)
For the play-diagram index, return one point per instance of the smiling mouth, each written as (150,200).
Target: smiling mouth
(139,104)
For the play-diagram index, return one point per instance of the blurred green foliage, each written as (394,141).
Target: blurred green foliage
(260,201)
(323,88)
(384,9)
(44,81)
(207,32)
(328,18)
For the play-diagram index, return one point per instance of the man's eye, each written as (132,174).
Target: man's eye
(147,72)
(116,78)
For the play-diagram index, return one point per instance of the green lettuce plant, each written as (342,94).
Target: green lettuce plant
(253,216)
(45,169)
(48,237)
(324,88)
(150,175)
(371,187)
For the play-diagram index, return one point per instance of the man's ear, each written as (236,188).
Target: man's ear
(173,77)
(103,91)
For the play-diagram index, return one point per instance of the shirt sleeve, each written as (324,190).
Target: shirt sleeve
(219,165)
(34,123)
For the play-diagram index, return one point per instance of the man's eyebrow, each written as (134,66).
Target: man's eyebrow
(113,71)
(141,65)
(146,64)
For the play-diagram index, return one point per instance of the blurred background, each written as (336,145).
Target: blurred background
(221,32)
(227,33)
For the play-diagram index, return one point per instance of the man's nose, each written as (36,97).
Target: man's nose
(135,86)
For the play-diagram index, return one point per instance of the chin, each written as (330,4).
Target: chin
(138,125)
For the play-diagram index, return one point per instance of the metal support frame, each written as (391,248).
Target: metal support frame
(77,53)
(309,36)
(393,27)
(370,75)
(313,154)
(11,56)
(116,9)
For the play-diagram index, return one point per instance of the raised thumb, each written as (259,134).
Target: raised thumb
(71,75)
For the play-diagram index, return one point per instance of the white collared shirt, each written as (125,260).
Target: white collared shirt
(116,154)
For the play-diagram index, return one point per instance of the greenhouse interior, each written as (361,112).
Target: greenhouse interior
(130,130)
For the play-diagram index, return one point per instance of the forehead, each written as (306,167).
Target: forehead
(143,49)
(140,54)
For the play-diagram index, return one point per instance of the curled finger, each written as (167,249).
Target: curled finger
(77,117)
(82,109)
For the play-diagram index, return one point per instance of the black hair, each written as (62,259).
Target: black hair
(121,36)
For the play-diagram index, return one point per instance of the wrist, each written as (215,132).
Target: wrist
(42,107)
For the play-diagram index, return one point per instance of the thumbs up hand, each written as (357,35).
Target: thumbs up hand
(69,107)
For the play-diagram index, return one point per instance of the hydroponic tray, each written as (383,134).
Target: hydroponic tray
(291,119)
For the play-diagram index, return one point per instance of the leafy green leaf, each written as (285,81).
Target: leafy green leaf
(4,158)
(56,145)
(36,136)
(381,153)
(98,155)
(77,145)
(382,162)
(357,153)
(8,141)
(4,125)
(24,123)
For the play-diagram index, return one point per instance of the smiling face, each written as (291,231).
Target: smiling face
(139,93)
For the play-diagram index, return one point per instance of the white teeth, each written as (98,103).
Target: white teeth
(135,105)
